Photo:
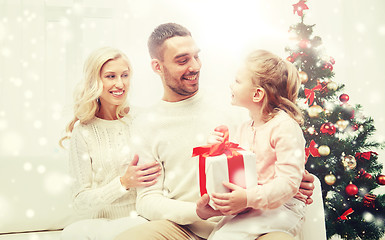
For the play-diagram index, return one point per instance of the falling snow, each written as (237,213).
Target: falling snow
(41,54)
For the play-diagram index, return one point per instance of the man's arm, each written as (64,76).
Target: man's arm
(153,204)
(307,186)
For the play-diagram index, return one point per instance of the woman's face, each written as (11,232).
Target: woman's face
(115,75)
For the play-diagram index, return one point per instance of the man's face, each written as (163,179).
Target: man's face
(180,68)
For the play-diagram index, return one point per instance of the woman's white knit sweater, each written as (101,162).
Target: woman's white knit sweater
(99,155)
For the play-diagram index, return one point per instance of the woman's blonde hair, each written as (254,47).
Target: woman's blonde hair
(280,80)
(88,91)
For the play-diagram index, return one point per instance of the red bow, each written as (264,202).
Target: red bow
(365,155)
(299,7)
(312,150)
(310,94)
(217,148)
(345,214)
(234,160)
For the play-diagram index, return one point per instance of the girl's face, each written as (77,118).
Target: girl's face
(242,89)
(115,76)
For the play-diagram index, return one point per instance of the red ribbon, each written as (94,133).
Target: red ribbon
(310,93)
(369,200)
(234,161)
(312,150)
(365,155)
(345,214)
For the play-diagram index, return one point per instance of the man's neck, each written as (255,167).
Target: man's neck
(178,97)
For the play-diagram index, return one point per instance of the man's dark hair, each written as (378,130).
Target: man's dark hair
(161,34)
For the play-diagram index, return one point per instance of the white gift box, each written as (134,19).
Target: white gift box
(240,171)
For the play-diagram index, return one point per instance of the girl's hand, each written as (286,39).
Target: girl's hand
(230,203)
(140,176)
(204,210)
(215,137)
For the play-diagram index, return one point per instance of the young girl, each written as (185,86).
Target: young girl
(268,87)
(104,186)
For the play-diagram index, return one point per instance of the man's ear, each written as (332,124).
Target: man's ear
(156,66)
(258,95)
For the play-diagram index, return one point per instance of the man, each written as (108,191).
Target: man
(167,133)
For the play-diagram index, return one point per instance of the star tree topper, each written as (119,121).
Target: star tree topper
(299,7)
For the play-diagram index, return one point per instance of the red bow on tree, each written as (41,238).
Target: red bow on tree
(310,94)
(369,200)
(299,7)
(365,155)
(345,214)
(312,150)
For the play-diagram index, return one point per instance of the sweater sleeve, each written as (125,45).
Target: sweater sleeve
(288,144)
(87,196)
(153,202)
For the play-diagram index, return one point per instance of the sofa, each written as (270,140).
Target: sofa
(35,200)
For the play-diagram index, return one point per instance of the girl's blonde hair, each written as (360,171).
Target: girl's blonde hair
(280,80)
(88,91)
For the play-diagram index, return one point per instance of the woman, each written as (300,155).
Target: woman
(104,178)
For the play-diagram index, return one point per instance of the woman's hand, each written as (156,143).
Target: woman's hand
(140,176)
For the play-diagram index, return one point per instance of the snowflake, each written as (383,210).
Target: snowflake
(30,213)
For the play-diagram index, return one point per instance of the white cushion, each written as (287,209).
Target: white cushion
(35,194)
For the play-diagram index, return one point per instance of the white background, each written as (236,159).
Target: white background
(43,45)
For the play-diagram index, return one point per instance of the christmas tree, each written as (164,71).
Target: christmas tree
(339,149)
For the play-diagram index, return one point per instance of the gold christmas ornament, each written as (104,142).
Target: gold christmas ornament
(324,150)
(330,179)
(314,111)
(342,124)
(303,77)
(349,162)
(332,86)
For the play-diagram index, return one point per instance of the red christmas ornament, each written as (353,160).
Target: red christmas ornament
(367,176)
(351,189)
(363,174)
(344,98)
(290,59)
(380,179)
(355,127)
(369,200)
(328,66)
(328,128)
(299,7)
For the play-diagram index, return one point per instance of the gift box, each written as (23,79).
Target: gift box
(225,162)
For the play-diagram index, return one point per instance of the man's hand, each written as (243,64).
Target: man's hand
(204,210)
(307,186)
